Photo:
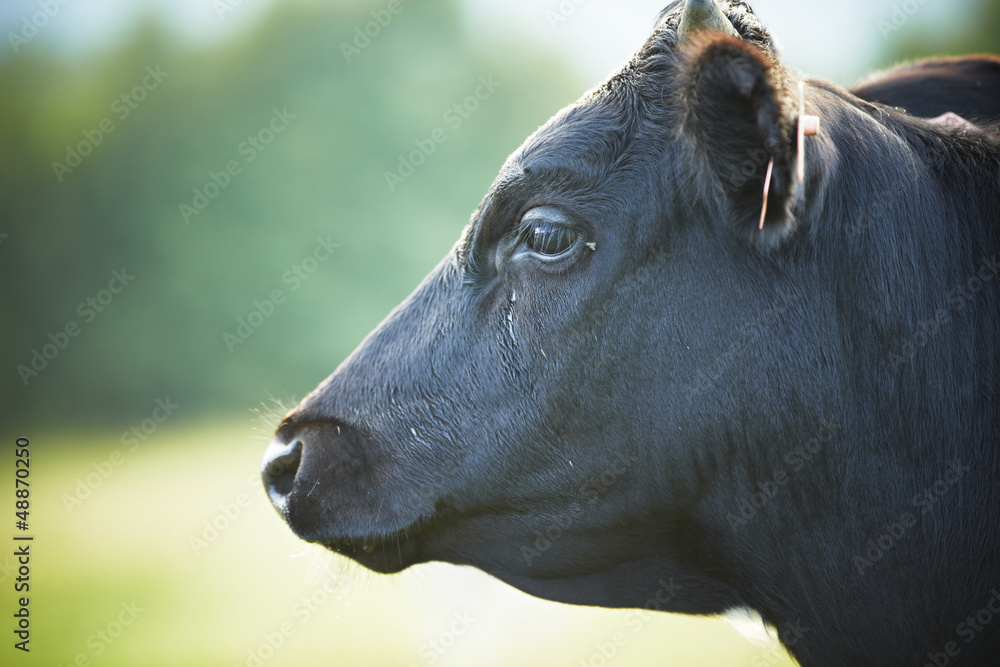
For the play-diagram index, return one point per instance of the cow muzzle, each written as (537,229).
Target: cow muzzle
(314,472)
(321,478)
(278,470)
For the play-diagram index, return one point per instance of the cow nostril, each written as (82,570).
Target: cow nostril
(278,470)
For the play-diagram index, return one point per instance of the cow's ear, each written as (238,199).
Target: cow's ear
(739,115)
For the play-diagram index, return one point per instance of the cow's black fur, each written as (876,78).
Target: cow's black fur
(684,412)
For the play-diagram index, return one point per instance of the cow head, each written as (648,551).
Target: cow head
(543,406)
(615,354)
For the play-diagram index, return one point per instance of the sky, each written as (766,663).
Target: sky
(837,41)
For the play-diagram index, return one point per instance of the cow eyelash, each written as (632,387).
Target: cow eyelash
(548,239)
(547,232)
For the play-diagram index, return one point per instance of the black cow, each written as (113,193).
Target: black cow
(625,387)
(929,88)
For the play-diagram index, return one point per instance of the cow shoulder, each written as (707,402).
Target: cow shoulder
(967,86)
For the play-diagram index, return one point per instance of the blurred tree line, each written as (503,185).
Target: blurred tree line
(241,193)
(979,33)
(216,225)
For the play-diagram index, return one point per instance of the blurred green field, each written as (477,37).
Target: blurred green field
(130,553)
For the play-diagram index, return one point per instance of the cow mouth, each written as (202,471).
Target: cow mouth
(394,551)
(440,537)
(386,555)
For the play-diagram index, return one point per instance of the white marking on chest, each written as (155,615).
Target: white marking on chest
(749,623)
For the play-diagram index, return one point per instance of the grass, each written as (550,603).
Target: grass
(252,595)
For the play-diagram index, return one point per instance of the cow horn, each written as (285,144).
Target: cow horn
(702,15)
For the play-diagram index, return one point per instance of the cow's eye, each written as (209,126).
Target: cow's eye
(548,239)
(548,232)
